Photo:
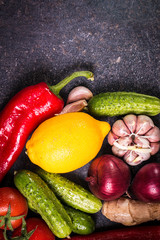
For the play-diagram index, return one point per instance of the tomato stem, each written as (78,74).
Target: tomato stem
(5,234)
(6,221)
(24,234)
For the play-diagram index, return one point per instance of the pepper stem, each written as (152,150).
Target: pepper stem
(57,88)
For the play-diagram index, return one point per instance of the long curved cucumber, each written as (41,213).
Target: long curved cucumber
(82,223)
(71,193)
(44,201)
(120,103)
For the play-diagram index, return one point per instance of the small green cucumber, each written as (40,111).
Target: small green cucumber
(121,103)
(82,223)
(44,202)
(71,193)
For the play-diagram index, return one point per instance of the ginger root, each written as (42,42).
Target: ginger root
(130,212)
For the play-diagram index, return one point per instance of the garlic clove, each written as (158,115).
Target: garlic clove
(74,107)
(125,141)
(112,138)
(118,152)
(131,121)
(79,93)
(153,135)
(120,129)
(155,147)
(144,124)
(142,142)
(133,158)
(143,156)
(130,157)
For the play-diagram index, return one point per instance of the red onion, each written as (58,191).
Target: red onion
(146,183)
(108,177)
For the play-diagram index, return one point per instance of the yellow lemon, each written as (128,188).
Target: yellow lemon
(66,142)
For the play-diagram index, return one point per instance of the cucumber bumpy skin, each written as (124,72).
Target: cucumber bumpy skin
(70,193)
(82,223)
(44,201)
(121,103)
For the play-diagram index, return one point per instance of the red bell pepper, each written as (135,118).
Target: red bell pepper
(24,112)
(128,233)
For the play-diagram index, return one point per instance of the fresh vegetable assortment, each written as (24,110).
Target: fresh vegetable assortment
(70,193)
(60,218)
(67,142)
(44,202)
(24,112)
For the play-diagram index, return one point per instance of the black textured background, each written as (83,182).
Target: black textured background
(118,40)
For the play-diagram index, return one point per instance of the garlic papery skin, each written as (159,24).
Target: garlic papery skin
(153,135)
(130,157)
(155,147)
(112,137)
(131,122)
(134,158)
(144,124)
(132,148)
(118,152)
(141,142)
(120,129)
(143,156)
(133,161)
(127,140)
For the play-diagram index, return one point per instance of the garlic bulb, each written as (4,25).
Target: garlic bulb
(135,138)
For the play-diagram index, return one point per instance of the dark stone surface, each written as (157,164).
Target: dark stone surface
(118,40)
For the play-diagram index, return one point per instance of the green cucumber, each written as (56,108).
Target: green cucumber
(82,223)
(44,201)
(121,103)
(71,193)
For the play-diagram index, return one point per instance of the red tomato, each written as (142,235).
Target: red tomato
(42,231)
(1,235)
(18,204)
